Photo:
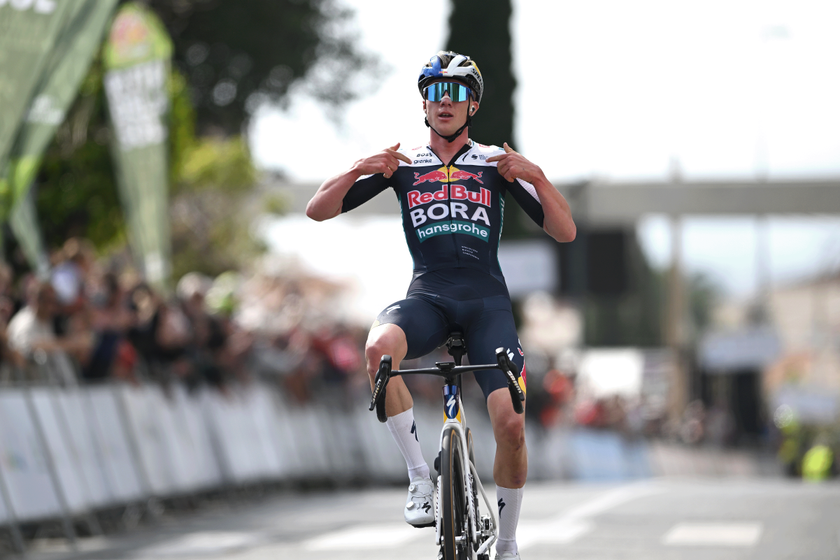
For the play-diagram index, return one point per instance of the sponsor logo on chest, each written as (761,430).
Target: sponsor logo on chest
(452,208)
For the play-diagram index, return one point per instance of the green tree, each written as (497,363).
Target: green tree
(481,30)
(237,55)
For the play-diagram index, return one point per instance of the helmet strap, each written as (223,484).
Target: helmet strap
(451,138)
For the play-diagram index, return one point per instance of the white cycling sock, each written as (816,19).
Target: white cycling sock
(509,502)
(404,431)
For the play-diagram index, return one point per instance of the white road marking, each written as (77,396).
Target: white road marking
(575,523)
(550,532)
(562,529)
(359,537)
(713,534)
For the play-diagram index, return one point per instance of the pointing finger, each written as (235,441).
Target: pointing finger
(393,151)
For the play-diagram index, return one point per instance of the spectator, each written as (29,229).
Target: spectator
(9,358)
(31,334)
(161,334)
(111,319)
(68,278)
(208,334)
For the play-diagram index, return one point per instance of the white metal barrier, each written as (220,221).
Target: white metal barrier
(67,452)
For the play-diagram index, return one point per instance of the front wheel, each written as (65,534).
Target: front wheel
(455,529)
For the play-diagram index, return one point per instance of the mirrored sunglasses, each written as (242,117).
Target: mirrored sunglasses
(457,92)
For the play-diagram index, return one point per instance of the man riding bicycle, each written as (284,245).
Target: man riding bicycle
(452,194)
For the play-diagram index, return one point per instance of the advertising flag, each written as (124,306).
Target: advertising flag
(66,66)
(28,30)
(137,61)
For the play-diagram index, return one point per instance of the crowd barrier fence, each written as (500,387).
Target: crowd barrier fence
(70,452)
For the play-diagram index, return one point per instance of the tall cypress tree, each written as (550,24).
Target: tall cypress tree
(480,29)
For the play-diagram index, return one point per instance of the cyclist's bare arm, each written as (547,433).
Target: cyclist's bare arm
(558,222)
(328,199)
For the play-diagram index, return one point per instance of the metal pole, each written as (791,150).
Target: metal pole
(763,268)
(675,324)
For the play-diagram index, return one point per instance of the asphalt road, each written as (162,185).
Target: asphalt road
(653,519)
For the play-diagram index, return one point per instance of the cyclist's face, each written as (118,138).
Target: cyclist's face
(446,116)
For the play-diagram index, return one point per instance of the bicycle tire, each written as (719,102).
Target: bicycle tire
(453,500)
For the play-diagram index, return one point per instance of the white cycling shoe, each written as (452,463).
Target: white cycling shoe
(420,503)
(508,556)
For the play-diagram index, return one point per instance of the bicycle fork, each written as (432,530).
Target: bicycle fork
(482,530)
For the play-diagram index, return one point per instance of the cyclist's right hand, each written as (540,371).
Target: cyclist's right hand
(385,162)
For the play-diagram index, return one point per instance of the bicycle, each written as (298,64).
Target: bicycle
(461,530)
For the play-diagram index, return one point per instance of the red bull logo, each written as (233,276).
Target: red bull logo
(458,175)
(446,175)
(459,192)
(431,176)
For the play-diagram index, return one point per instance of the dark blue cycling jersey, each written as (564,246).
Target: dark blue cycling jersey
(452,218)
(452,214)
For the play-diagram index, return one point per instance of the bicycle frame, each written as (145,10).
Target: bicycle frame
(455,420)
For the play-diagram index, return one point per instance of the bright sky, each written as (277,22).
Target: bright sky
(620,89)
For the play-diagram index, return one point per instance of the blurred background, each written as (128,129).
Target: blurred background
(156,158)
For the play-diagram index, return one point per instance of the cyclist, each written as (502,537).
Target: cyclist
(452,194)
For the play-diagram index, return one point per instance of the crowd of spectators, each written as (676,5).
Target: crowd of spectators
(91,321)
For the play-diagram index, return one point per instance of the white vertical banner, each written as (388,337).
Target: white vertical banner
(23,461)
(113,445)
(136,59)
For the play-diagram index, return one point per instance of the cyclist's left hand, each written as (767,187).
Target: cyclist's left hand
(513,165)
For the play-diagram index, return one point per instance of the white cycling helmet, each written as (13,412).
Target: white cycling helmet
(454,66)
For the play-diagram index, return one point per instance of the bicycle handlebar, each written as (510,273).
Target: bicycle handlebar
(446,369)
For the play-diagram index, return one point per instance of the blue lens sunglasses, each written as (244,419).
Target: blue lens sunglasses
(457,92)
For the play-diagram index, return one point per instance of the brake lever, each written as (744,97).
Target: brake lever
(517,395)
(377,399)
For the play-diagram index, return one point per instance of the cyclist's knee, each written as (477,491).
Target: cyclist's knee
(508,426)
(510,430)
(384,339)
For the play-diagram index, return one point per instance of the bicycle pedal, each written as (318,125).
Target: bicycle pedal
(424,526)
(437,463)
